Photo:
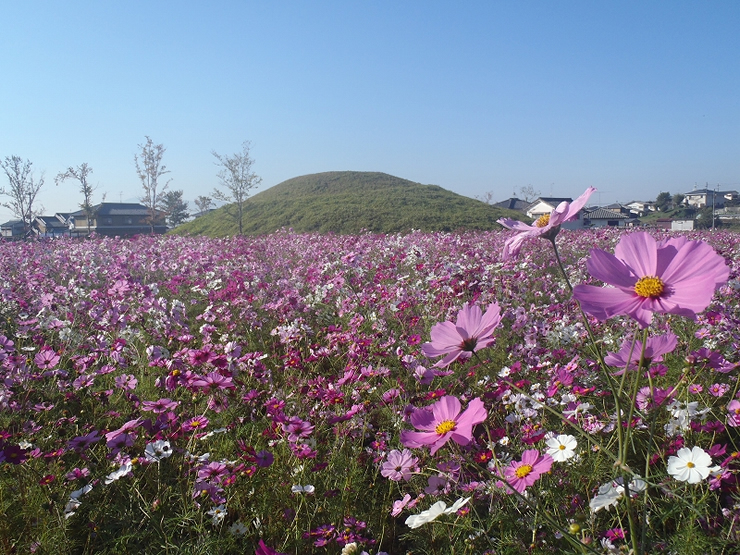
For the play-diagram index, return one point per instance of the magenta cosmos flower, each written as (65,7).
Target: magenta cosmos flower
(655,348)
(546,226)
(675,276)
(522,474)
(442,422)
(458,341)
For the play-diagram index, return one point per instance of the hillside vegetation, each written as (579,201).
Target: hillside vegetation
(351,202)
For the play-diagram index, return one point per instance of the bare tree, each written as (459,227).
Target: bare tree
(150,169)
(22,189)
(203,203)
(486,197)
(80,174)
(237,177)
(529,193)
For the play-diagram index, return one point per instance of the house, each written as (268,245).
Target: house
(116,219)
(51,226)
(513,203)
(700,198)
(640,207)
(13,229)
(545,205)
(603,217)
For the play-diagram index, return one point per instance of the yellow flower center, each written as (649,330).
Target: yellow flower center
(649,287)
(690,465)
(523,470)
(561,447)
(444,427)
(542,221)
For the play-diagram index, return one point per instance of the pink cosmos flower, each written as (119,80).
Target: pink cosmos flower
(522,474)
(458,341)
(675,276)
(46,358)
(442,422)
(546,226)
(733,413)
(655,348)
(400,465)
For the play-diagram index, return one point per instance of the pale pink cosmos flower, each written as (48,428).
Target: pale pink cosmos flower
(733,413)
(522,474)
(399,465)
(655,348)
(675,276)
(442,422)
(546,226)
(471,332)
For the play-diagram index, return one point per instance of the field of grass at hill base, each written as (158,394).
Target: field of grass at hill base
(349,203)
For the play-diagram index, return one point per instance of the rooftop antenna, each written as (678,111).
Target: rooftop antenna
(120,197)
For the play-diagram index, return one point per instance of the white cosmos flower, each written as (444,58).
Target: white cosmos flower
(610,493)
(218,514)
(303,489)
(439,508)
(561,447)
(120,473)
(690,465)
(158,450)
(238,528)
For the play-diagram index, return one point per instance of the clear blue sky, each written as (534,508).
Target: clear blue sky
(633,98)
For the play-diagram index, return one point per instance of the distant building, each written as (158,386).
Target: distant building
(603,217)
(682,225)
(116,219)
(700,198)
(51,226)
(513,203)
(12,229)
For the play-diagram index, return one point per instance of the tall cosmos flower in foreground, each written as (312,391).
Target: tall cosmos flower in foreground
(442,422)
(471,332)
(675,276)
(546,226)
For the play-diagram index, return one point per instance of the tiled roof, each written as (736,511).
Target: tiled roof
(604,214)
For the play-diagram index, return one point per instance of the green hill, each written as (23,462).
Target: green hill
(350,202)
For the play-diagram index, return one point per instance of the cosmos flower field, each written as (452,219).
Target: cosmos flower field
(291,393)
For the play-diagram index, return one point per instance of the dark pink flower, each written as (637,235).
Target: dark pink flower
(522,474)
(458,341)
(628,355)
(442,422)
(195,423)
(546,226)
(675,276)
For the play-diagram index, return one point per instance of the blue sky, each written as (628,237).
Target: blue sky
(633,98)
